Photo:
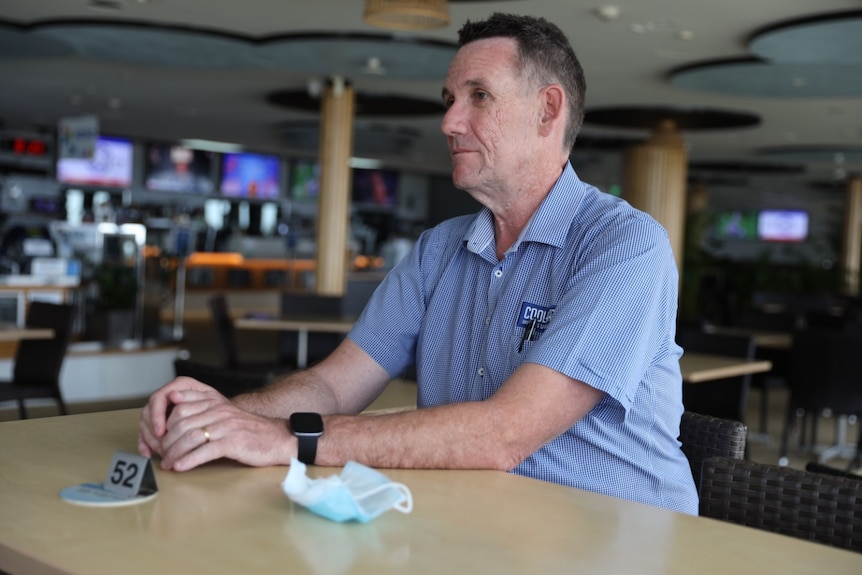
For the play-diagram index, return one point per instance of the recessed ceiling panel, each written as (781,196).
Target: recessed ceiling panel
(367,104)
(18,44)
(826,155)
(154,45)
(685,118)
(771,80)
(369,138)
(390,57)
(834,39)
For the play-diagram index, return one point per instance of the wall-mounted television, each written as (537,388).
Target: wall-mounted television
(111,165)
(782,225)
(735,225)
(305,180)
(375,188)
(247,175)
(177,168)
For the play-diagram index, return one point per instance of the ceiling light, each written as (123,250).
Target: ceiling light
(211,146)
(374,67)
(407,14)
(608,12)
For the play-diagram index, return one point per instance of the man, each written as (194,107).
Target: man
(542,328)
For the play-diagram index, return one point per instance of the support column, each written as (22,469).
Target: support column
(333,206)
(655,182)
(852,252)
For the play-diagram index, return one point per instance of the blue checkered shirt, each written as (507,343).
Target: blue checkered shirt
(595,282)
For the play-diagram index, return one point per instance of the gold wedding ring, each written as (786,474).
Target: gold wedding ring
(206,434)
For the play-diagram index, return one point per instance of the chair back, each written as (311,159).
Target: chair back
(814,506)
(228,382)
(704,436)
(826,371)
(38,361)
(728,397)
(225,333)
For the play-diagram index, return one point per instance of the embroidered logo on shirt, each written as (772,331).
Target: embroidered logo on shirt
(535,314)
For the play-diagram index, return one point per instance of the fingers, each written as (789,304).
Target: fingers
(153,423)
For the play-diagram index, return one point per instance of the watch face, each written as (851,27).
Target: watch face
(310,423)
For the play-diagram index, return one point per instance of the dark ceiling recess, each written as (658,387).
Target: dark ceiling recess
(367,104)
(752,168)
(684,118)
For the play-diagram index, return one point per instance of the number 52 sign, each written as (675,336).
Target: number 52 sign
(130,475)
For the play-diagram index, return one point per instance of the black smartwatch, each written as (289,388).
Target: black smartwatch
(307,427)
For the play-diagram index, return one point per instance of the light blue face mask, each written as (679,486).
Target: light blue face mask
(358,493)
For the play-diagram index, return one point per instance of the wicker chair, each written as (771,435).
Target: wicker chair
(704,436)
(814,506)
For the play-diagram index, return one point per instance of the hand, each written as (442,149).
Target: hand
(153,423)
(204,425)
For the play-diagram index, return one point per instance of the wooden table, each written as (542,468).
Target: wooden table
(227,518)
(12,332)
(302,326)
(762,338)
(700,367)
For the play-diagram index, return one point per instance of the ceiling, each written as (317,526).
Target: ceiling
(221,69)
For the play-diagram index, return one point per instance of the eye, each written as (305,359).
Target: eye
(480,95)
(448,101)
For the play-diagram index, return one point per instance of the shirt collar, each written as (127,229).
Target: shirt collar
(549,224)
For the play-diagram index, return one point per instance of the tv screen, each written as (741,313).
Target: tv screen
(176,168)
(305,180)
(111,165)
(735,225)
(246,175)
(782,225)
(375,188)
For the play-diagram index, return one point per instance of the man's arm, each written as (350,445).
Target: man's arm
(189,423)
(347,381)
(535,405)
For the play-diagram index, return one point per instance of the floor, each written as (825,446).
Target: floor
(762,447)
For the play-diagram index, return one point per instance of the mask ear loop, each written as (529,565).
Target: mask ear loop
(405,506)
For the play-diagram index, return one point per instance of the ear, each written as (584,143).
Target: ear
(553,106)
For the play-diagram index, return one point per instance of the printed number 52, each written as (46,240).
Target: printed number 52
(124,473)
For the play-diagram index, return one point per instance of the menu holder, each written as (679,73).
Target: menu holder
(130,480)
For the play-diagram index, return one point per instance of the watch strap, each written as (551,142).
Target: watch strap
(307,451)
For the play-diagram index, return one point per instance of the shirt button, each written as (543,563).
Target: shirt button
(498,273)
(481,371)
(487,321)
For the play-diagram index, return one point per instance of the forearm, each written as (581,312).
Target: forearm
(459,436)
(533,407)
(345,382)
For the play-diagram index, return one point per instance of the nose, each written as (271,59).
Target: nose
(452,122)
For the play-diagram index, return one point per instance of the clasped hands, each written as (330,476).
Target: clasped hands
(189,423)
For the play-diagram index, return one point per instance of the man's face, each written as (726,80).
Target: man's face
(491,117)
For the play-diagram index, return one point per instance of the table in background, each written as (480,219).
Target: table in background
(12,332)
(762,338)
(700,367)
(228,518)
(302,326)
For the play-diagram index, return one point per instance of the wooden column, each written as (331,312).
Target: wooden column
(333,206)
(852,253)
(654,182)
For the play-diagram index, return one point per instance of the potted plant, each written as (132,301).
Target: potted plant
(115,302)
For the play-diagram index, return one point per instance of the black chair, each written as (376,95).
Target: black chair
(825,374)
(776,378)
(728,397)
(815,506)
(226,334)
(36,372)
(228,382)
(704,436)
